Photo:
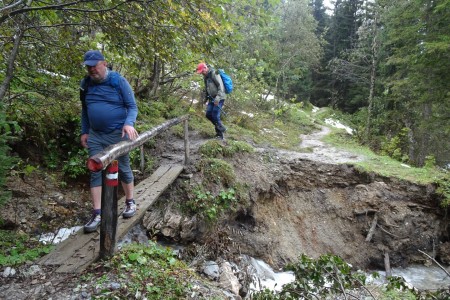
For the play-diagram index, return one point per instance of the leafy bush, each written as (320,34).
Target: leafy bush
(444,190)
(17,248)
(6,161)
(430,162)
(75,166)
(145,272)
(50,124)
(395,147)
(209,206)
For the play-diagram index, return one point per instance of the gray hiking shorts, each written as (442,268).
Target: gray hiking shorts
(97,141)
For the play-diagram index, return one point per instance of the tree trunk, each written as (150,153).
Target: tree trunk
(156,77)
(373,74)
(411,141)
(10,67)
(425,140)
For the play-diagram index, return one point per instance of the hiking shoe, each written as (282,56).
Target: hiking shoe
(130,210)
(93,223)
(221,128)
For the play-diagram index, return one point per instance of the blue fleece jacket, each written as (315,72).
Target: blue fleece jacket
(106,110)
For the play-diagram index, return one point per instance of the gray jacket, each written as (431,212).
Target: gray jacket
(214,86)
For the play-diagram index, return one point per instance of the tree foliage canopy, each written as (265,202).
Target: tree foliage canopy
(385,62)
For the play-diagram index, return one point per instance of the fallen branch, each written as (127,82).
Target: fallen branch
(443,269)
(372,228)
(381,227)
(365,212)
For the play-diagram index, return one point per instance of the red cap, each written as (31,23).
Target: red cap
(201,67)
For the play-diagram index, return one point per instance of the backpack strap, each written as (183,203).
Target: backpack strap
(213,77)
(84,86)
(114,80)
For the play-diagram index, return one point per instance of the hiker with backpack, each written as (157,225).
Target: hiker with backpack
(215,96)
(108,116)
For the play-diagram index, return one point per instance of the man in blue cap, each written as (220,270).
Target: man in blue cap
(108,116)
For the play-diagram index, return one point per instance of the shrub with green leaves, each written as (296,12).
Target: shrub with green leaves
(395,147)
(5,160)
(210,206)
(151,271)
(75,166)
(17,248)
(444,190)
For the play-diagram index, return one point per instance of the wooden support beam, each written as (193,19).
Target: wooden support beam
(108,226)
(387,264)
(372,228)
(186,142)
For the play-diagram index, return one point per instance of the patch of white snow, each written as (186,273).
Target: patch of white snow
(61,235)
(338,124)
(247,114)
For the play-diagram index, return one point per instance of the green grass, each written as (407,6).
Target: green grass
(383,165)
(214,148)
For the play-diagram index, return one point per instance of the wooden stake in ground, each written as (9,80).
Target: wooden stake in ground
(372,228)
(108,226)
(387,264)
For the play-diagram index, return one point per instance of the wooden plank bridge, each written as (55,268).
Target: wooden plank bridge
(78,251)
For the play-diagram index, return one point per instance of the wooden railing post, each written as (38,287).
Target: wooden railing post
(186,142)
(108,225)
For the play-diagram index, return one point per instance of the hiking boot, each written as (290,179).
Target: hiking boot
(93,223)
(220,138)
(221,128)
(130,210)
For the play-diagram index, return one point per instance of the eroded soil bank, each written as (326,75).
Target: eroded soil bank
(299,206)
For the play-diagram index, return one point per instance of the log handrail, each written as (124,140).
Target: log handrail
(101,160)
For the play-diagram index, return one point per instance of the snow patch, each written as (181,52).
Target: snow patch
(338,124)
(247,114)
(61,235)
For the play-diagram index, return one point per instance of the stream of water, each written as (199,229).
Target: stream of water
(422,277)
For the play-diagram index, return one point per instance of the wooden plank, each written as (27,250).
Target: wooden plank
(80,250)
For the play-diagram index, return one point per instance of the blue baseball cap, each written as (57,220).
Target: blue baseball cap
(92,57)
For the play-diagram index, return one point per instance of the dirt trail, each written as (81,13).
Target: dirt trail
(319,151)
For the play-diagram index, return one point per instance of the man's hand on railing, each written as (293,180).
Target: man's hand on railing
(83,140)
(130,131)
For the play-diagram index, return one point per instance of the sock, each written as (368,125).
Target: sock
(97,211)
